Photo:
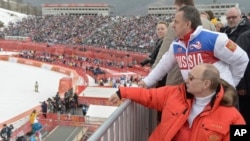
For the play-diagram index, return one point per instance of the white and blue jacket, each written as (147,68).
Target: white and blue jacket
(204,46)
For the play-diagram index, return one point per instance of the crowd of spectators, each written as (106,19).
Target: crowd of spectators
(97,68)
(108,31)
(111,32)
(92,65)
(67,104)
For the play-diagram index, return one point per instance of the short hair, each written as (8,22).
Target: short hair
(211,73)
(236,8)
(190,13)
(184,2)
(163,22)
(211,14)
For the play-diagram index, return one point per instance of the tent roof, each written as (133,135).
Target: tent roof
(100,92)
(100,111)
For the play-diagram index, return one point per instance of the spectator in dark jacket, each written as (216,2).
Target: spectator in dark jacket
(161,30)
(76,99)
(6,132)
(235,24)
(84,109)
(44,109)
(243,87)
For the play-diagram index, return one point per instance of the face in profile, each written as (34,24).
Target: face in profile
(195,81)
(180,25)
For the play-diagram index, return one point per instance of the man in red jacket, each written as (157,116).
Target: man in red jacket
(201,109)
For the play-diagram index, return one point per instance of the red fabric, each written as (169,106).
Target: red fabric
(183,134)
(186,38)
(175,107)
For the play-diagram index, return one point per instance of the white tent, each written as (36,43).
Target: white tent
(97,114)
(100,92)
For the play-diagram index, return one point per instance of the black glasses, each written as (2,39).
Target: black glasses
(232,17)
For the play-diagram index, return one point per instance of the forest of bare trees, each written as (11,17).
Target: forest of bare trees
(20,6)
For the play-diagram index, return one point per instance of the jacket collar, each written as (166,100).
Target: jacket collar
(186,38)
(191,35)
(218,94)
(215,101)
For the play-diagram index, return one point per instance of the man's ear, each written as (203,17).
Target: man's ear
(189,23)
(207,83)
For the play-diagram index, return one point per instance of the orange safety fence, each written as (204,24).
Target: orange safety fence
(70,72)
(91,52)
(22,130)
(20,116)
(50,123)
(65,84)
(61,118)
(106,55)
(94,100)
(75,73)
(111,55)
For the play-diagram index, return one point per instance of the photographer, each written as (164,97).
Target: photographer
(6,132)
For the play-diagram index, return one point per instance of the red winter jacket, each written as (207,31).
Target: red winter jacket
(213,123)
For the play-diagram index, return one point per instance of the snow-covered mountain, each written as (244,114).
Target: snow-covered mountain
(7,16)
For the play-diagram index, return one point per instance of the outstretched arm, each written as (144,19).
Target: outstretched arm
(162,68)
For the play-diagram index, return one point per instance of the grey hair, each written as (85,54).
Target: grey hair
(236,8)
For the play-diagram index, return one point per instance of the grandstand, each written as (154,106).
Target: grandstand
(219,9)
(44,58)
(79,46)
(75,46)
(76,9)
(78,58)
(120,33)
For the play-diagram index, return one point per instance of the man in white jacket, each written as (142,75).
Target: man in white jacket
(195,45)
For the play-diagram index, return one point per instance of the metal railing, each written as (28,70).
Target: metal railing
(128,123)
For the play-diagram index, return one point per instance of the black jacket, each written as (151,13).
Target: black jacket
(243,26)
(244,42)
(151,58)
(153,55)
